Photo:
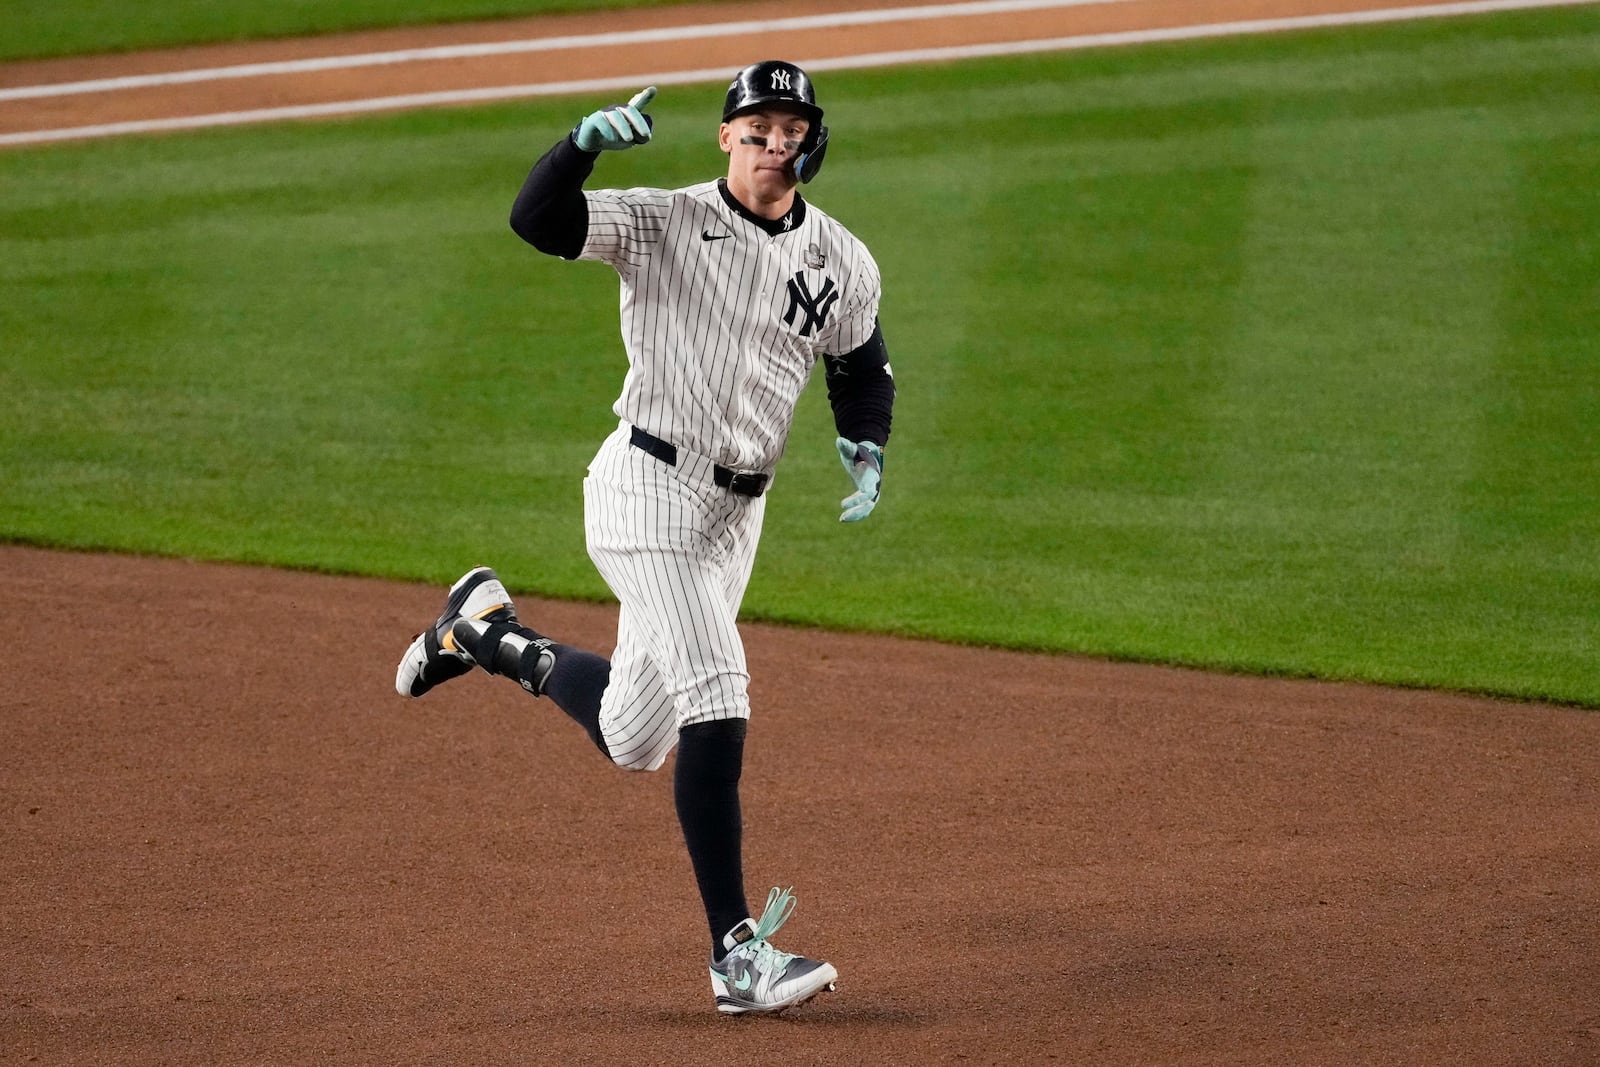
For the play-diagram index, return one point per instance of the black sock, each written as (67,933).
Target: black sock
(575,684)
(705,785)
(573,679)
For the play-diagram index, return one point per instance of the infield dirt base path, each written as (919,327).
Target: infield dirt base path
(228,841)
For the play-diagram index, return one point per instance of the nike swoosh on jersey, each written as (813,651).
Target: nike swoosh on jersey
(705,236)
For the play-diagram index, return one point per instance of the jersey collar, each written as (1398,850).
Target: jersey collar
(774,227)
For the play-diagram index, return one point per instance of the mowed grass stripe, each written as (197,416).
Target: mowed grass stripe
(37,29)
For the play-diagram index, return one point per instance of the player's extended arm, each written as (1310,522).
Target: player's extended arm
(861,392)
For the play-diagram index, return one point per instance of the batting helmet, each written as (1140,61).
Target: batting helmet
(774,81)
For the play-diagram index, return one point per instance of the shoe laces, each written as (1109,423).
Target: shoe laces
(780,905)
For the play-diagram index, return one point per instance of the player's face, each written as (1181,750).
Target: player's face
(761,148)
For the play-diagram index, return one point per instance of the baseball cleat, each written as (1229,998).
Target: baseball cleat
(755,977)
(434,656)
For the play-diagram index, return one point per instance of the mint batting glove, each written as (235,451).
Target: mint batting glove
(614,128)
(863,461)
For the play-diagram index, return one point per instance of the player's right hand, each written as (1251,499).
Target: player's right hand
(617,127)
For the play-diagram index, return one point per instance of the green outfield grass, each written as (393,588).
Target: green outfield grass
(43,28)
(1273,355)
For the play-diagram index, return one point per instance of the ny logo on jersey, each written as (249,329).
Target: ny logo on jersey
(815,307)
(780,80)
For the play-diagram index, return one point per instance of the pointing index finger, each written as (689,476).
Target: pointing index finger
(643,97)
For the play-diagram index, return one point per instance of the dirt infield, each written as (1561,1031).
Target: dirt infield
(227,841)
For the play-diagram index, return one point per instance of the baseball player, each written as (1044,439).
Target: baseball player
(732,290)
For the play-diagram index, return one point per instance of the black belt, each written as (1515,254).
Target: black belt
(745,483)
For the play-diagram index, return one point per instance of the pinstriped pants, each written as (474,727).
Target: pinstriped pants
(677,550)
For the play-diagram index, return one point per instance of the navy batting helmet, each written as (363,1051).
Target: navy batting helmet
(774,81)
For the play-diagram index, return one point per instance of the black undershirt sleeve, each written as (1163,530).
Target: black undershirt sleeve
(861,391)
(550,212)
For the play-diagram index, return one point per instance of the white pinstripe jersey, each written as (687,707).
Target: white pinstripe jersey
(722,322)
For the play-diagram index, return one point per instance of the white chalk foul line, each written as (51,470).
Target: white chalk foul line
(878,59)
(836,20)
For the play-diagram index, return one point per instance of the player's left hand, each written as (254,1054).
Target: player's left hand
(863,461)
(617,127)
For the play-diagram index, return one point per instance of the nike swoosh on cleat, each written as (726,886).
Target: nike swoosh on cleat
(741,983)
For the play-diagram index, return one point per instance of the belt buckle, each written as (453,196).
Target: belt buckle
(748,483)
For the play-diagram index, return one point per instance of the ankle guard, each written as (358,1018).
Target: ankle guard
(508,648)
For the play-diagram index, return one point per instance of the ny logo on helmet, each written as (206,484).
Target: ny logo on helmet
(780,80)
